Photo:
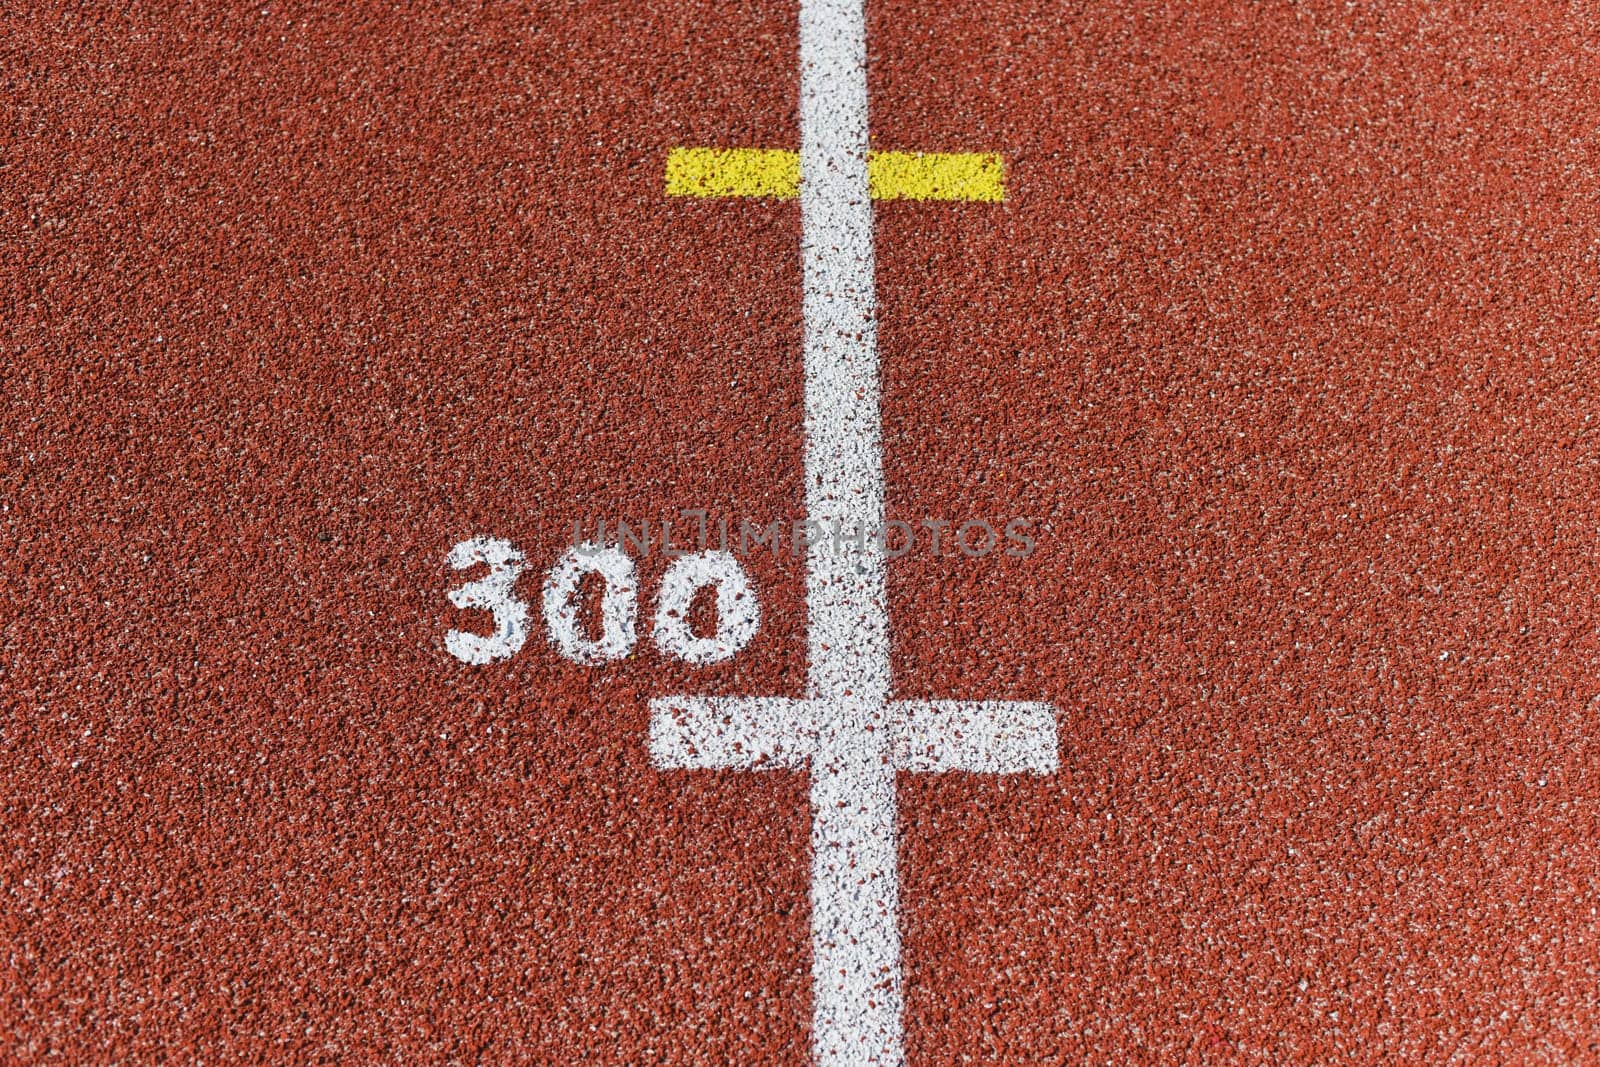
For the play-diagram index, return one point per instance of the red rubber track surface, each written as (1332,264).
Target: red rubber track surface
(1285,336)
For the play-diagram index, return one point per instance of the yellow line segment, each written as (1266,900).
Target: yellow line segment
(936,176)
(733,172)
(775,173)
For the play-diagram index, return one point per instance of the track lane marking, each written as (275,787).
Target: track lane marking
(847,731)
(723,172)
(774,173)
(972,176)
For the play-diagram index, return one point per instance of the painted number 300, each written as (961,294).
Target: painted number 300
(738,615)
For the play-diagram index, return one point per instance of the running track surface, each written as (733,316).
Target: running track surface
(1285,337)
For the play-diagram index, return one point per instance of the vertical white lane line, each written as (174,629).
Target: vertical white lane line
(849,627)
(855,936)
(849,622)
(846,728)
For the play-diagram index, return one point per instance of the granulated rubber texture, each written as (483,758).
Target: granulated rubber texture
(1285,338)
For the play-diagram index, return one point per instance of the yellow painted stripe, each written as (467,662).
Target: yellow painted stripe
(936,176)
(772,172)
(733,172)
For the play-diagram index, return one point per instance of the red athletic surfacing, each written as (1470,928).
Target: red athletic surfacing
(1283,338)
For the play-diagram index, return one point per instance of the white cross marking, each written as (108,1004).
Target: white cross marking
(847,730)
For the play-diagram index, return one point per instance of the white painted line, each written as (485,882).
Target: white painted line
(855,892)
(978,736)
(849,619)
(933,736)
(739,733)
(854,736)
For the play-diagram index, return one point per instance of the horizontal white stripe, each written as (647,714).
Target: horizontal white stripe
(980,736)
(975,736)
(731,733)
